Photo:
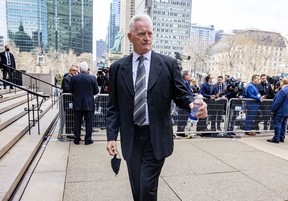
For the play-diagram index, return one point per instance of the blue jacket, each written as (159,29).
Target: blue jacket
(188,87)
(280,103)
(253,93)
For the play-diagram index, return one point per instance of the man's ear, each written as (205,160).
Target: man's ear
(129,35)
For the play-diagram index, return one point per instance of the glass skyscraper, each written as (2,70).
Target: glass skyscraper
(70,25)
(114,22)
(55,24)
(25,23)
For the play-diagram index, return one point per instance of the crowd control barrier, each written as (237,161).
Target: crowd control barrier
(67,115)
(225,118)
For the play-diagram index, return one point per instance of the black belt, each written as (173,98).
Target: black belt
(142,127)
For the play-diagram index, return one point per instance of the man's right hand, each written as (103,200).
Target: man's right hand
(112,147)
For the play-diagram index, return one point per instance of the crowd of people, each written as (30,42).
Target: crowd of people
(250,105)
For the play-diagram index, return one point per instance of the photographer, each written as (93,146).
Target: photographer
(103,80)
(235,89)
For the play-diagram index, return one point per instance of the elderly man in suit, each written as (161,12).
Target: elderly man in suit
(7,59)
(279,111)
(142,86)
(83,87)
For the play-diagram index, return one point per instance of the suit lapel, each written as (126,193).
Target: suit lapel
(126,74)
(155,69)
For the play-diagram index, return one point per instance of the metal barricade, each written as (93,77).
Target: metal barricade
(214,124)
(249,115)
(67,115)
(225,118)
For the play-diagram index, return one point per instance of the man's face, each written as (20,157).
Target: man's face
(256,80)
(6,48)
(73,71)
(263,79)
(210,79)
(141,37)
(188,77)
(219,80)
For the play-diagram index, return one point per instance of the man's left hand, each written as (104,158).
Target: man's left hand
(202,111)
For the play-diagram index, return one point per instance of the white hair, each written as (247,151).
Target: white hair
(139,17)
(83,67)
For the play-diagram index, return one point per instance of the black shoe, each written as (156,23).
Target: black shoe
(273,141)
(250,133)
(181,134)
(76,142)
(281,140)
(89,142)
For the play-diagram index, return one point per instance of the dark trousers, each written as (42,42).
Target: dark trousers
(78,116)
(143,168)
(250,116)
(182,119)
(264,115)
(9,73)
(280,126)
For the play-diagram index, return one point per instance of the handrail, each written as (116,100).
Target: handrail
(23,73)
(53,95)
(34,108)
(23,88)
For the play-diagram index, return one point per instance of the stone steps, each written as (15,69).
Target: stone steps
(17,147)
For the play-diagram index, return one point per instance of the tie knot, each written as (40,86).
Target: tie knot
(141,58)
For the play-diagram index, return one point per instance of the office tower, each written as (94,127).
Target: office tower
(201,37)
(70,25)
(127,11)
(24,22)
(114,22)
(171,23)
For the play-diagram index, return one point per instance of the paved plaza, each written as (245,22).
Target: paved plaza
(201,169)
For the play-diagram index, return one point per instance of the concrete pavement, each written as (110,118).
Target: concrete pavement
(201,169)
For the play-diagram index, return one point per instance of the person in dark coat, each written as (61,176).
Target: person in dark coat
(263,114)
(182,114)
(83,87)
(7,59)
(279,111)
(67,99)
(209,92)
(146,129)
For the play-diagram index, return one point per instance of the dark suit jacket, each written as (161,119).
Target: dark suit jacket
(4,61)
(83,87)
(265,89)
(165,83)
(207,90)
(280,103)
(65,85)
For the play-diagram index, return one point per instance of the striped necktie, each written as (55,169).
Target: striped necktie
(140,99)
(8,58)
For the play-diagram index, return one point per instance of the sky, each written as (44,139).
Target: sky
(268,15)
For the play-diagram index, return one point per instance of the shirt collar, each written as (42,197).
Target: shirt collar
(147,55)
